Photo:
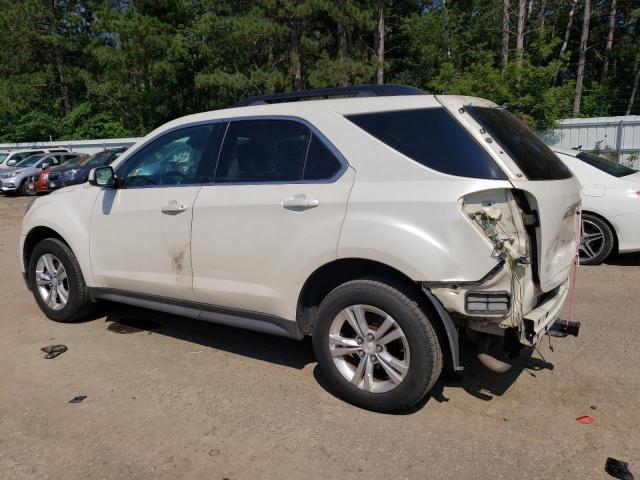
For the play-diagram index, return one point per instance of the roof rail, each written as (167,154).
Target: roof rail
(388,90)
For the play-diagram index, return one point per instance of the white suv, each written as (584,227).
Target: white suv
(10,158)
(388,225)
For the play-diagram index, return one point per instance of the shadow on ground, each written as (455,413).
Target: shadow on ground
(624,260)
(476,381)
(122,319)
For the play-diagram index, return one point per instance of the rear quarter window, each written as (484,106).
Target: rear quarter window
(433,138)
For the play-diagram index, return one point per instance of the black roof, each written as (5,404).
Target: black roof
(388,90)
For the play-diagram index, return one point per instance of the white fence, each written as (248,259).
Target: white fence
(617,135)
(81,146)
(613,135)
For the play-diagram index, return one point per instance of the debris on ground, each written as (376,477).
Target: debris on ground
(618,469)
(78,399)
(585,419)
(52,351)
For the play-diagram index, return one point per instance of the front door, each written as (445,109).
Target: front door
(141,231)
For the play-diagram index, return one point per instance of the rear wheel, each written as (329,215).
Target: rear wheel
(597,240)
(57,282)
(376,346)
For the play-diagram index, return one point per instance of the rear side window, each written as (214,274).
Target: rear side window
(607,166)
(530,153)
(433,138)
(264,151)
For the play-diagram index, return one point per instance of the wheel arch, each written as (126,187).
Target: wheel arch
(36,235)
(330,275)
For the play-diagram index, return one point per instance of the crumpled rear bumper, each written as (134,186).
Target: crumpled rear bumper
(538,322)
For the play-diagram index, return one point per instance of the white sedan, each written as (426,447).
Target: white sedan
(610,205)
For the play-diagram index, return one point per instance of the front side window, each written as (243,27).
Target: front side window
(173,159)
(607,166)
(433,138)
(259,151)
(535,159)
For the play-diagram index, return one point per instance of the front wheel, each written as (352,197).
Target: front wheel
(375,345)
(57,282)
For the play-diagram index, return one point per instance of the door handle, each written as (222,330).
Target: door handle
(300,202)
(173,207)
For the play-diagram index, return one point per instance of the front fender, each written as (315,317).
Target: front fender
(68,213)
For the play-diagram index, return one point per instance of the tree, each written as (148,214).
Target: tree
(607,50)
(582,52)
(505,37)
(378,44)
(567,34)
(520,33)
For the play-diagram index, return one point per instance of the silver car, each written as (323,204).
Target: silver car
(15,179)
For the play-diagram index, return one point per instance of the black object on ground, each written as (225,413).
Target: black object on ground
(52,351)
(131,325)
(78,399)
(618,469)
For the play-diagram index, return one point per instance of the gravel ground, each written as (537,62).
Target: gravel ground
(177,398)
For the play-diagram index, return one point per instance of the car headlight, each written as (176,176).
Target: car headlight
(14,174)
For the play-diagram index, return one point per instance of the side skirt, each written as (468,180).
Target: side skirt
(258,322)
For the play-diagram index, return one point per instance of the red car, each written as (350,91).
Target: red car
(39,183)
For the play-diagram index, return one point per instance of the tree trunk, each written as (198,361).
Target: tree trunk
(505,36)
(520,33)
(63,86)
(635,89)
(607,50)
(567,33)
(295,55)
(541,15)
(582,55)
(379,45)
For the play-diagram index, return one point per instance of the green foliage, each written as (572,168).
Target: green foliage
(111,68)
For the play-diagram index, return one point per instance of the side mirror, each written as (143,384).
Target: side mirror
(102,176)
(11,163)
(44,166)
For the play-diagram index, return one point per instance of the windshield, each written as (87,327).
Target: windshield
(29,161)
(97,159)
(530,153)
(3,156)
(607,166)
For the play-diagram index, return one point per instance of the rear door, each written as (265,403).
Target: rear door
(552,192)
(273,213)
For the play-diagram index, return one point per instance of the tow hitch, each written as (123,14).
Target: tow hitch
(563,328)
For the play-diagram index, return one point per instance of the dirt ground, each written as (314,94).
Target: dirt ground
(177,398)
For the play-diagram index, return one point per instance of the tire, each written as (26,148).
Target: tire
(23,188)
(597,240)
(78,304)
(417,351)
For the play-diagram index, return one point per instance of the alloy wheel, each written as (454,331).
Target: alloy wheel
(592,241)
(369,348)
(52,281)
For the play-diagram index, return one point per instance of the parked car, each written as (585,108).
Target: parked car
(39,182)
(610,205)
(14,180)
(11,158)
(77,172)
(387,225)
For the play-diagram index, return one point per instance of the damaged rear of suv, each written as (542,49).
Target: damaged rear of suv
(389,225)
